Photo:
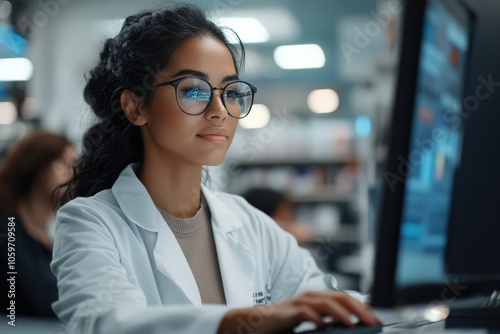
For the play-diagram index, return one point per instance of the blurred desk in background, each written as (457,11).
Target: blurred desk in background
(24,325)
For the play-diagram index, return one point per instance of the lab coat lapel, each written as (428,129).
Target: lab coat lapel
(171,262)
(138,206)
(236,262)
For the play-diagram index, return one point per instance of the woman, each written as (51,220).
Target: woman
(145,248)
(30,172)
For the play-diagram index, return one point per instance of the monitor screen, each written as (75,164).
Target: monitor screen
(435,145)
(423,155)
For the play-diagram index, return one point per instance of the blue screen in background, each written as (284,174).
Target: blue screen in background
(11,43)
(435,146)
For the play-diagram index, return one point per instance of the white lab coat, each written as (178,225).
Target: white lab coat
(120,269)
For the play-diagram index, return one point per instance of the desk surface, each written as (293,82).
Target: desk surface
(410,315)
(412,319)
(25,325)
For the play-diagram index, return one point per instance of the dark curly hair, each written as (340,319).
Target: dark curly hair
(130,61)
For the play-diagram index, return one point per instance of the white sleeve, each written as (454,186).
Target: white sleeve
(95,294)
(296,269)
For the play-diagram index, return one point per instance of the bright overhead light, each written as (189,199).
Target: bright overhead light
(8,113)
(258,118)
(15,69)
(249,29)
(323,101)
(299,56)
(275,24)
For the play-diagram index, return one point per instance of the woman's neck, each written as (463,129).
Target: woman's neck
(176,188)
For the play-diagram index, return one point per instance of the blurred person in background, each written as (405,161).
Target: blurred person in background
(29,174)
(277,205)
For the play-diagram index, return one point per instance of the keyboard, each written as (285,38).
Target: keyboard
(481,312)
(337,328)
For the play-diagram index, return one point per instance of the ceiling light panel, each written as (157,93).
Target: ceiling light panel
(301,56)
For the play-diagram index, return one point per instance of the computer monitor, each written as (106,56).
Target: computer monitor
(423,154)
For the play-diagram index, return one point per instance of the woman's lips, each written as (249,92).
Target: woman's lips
(216,135)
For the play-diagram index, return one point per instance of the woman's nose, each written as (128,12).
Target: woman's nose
(216,107)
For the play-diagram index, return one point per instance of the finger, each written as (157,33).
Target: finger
(306,313)
(368,317)
(329,307)
(362,311)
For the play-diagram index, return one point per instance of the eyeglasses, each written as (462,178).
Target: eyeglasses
(194,96)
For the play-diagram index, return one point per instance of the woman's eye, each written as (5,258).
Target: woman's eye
(233,94)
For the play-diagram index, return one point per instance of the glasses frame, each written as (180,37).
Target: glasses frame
(175,83)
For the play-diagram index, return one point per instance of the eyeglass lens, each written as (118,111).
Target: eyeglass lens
(193,96)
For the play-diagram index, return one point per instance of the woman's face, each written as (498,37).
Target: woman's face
(171,134)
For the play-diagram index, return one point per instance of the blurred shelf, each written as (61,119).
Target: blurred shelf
(347,233)
(327,196)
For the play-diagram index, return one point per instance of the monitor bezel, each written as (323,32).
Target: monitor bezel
(384,292)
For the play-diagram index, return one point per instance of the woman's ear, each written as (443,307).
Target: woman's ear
(132,108)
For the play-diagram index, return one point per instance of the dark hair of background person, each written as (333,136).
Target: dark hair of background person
(264,199)
(279,207)
(23,164)
(131,60)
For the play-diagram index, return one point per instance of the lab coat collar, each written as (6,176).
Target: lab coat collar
(222,216)
(131,194)
(235,260)
(137,205)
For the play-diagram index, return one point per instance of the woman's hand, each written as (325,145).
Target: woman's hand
(310,306)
